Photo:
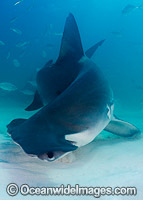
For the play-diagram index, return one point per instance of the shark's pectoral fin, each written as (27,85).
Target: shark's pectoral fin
(13,124)
(36,104)
(121,128)
(89,53)
(71,47)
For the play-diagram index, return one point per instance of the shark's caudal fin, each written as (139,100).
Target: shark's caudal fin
(71,47)
(89,53)
(36,104)
(121,128)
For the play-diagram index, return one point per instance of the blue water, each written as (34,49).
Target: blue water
(41,24)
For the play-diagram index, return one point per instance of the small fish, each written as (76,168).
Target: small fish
(30,7)
(44,54)
(33,83)
(16,30)
(49,45)
(7,86)
(28,92)
(18,2)
(16,63)
(117,34)
(13,20)
(51,26)
(58,34)
(2,43)
(139,87)
(22,44)
(22,53)
(8,55)
(129,8)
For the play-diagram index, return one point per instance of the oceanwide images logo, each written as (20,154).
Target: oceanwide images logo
(13,189)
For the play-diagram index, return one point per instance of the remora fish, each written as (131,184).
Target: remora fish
(22,44)
(16,30)
(7,86)
(18,2)
(16,63)
(76,103)
(129,8)
(2,43)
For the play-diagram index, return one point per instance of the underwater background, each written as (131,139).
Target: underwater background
(30,35)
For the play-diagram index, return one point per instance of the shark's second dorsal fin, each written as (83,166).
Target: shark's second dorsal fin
(71,47)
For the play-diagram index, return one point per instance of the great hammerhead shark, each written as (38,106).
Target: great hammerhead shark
(75,101)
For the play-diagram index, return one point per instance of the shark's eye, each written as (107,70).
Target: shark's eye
(50,154)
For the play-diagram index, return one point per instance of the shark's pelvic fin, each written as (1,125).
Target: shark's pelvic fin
(121,128)
(36,104)
(89,53)
(71,46)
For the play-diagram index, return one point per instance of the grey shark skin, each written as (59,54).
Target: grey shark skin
(76,103)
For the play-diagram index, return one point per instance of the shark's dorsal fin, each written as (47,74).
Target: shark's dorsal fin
(71,47)
(36,104)
(89,53)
